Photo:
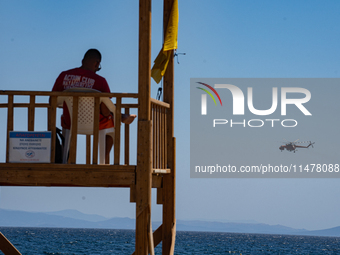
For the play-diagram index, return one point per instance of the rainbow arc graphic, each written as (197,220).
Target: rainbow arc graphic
(204,97)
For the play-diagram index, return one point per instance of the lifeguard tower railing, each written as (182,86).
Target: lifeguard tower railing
(120,174)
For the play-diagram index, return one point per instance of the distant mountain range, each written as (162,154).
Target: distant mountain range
(76,219)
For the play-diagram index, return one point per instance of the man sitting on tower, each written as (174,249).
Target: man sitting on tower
(86,77)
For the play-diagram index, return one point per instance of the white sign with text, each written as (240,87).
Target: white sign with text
(34,147)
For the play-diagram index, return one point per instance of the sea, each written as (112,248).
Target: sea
(109,241)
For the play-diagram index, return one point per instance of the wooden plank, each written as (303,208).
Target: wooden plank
(172,249)
(6,247)
(153,118)
(63,177)
(31,111)
(143,186)
(26,105)
(165,137)
(151,245)
(49,115)
(156,148)
(160,137)
(159,198)
(118,119)
(168,80)
(88,149)
(169,205)
(163,144)
(49,93)
(160,103)
(157,180)
(9,123)
(133,193)
(169,180)
(95,130)
(74,129)
(144,59)
(127,140)
(45,105)
(159,124)
(130,105)
(144,140)
(161,171)
(79,167)
(52,125)
(157,236)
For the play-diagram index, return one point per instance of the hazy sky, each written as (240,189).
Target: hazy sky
(240,39)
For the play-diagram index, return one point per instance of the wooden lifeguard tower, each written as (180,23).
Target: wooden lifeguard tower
(156,164)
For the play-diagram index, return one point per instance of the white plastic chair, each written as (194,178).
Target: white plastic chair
(85,120)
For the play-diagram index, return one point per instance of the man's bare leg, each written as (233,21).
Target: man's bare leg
(109,144)
(128,119)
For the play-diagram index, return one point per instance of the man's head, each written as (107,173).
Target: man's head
(91,60)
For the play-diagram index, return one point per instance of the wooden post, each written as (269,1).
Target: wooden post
(9,123)
(169,180)
(95,130)
(127,140)
(31,111)
(144,147)
(74,128)
(52,125)
(116,148)
(88,149)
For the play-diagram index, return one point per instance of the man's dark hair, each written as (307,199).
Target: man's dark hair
(93,54)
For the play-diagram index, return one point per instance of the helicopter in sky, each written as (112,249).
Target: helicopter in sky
(291,146)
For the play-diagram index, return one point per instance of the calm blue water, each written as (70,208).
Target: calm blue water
(104,241)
